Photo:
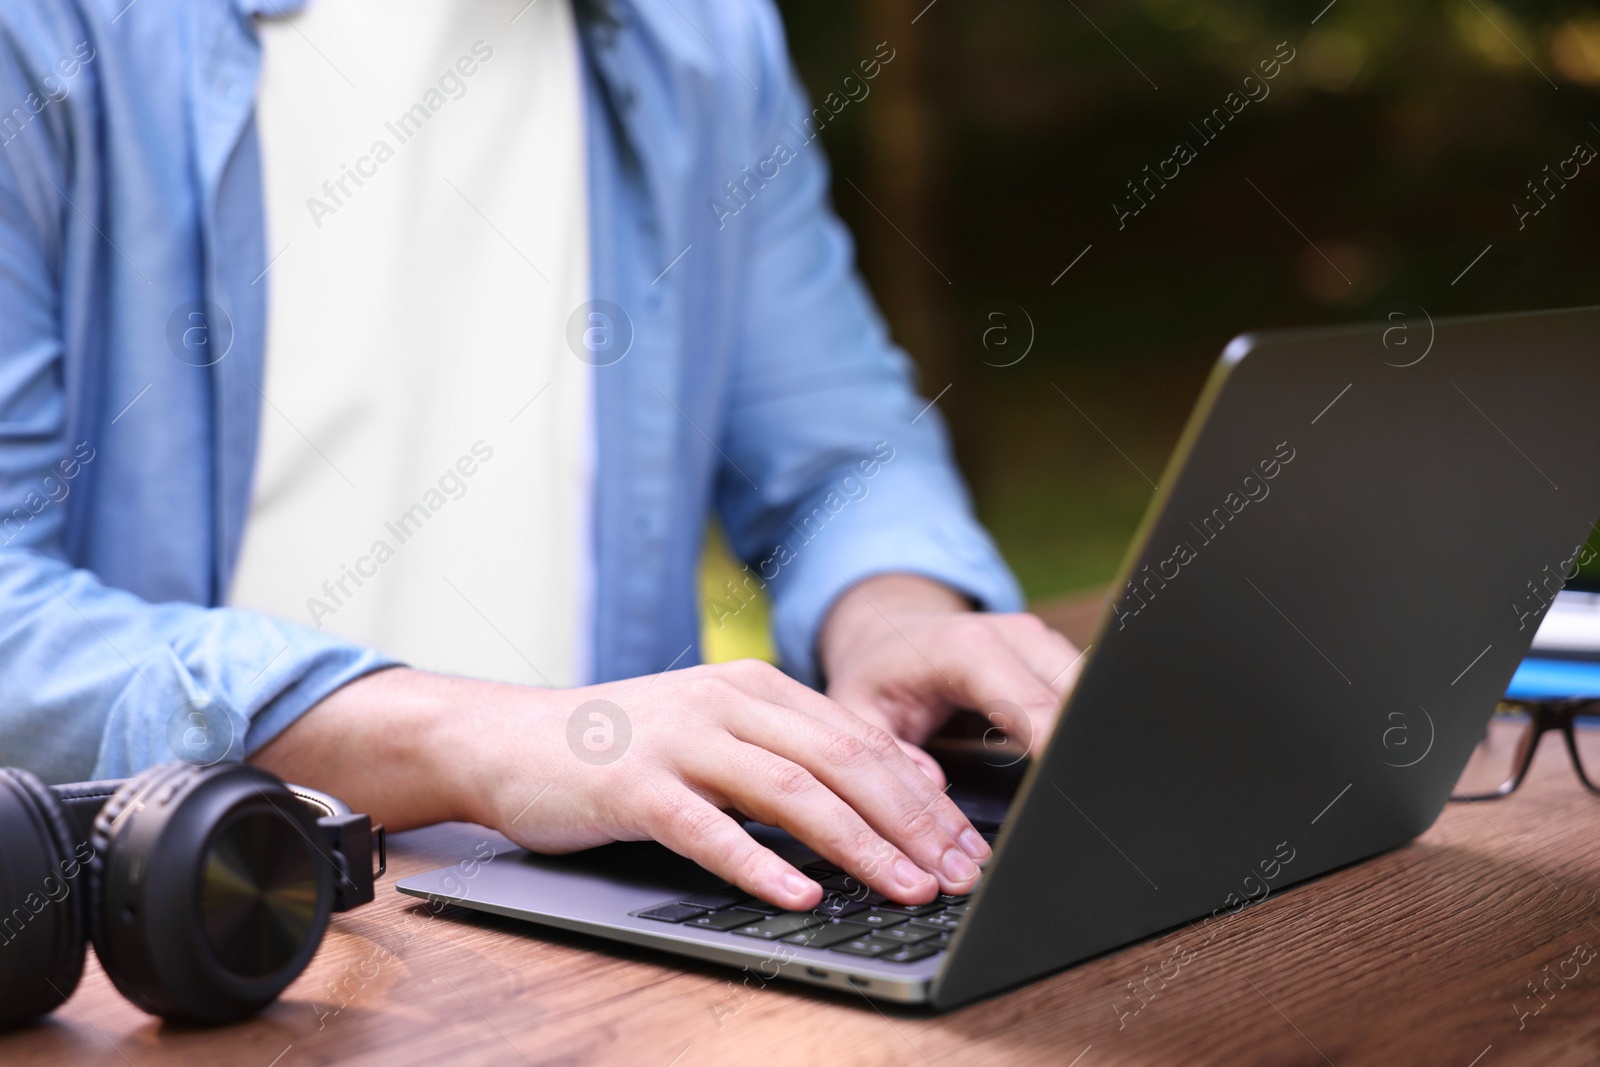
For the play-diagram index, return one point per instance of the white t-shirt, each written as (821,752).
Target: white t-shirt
(423,484)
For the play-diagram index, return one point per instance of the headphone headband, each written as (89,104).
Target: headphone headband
(348,836)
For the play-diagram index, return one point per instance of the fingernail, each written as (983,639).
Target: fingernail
(909,874)
(797,884)
(957,867)
(973,844)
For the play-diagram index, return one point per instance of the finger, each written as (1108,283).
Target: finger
(917,696)
(919,820)
(779,792)
(693,827)
(910,770)
(862,707)
(926,764)
(986,672)
(1046,651)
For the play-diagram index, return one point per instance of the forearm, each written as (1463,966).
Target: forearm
(406,746)
(391,744)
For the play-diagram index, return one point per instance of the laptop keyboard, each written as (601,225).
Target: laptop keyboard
(851,919)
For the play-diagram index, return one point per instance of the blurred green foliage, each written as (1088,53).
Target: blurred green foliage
(1398,140)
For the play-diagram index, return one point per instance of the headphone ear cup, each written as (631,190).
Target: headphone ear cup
(107,821)
(41,901)
(211,892)
(108,824)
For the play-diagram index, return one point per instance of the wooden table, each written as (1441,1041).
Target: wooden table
(1423,956)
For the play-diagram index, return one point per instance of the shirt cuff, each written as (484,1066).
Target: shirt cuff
(210,704)
(915,526)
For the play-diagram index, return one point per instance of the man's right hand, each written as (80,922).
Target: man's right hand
(666,757)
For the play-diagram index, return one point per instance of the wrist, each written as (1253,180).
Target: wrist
(872,608)
(395,744)
(440,717)
(473,740)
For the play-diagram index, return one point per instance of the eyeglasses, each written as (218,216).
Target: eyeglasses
(1501,760)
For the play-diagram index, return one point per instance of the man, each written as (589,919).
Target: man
(342,336)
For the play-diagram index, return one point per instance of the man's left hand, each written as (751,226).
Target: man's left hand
(904,652)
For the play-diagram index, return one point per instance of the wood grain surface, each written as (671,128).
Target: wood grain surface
(1473,947)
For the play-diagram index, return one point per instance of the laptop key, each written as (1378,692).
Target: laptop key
(912,910)
(907,934)
(825,936)
(877,918)
(671,913)
(870,899)
(753,904)
(715,900)
(770,929)
(848,885)
(821,869)
(726,920)
(910,953)
(941,921)
(870,947)
(835,906)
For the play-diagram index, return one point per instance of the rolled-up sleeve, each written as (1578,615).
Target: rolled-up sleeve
(95,681)
(820,397)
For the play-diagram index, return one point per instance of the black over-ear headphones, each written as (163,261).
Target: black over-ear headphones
(205,890)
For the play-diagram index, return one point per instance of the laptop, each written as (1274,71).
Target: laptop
(1335,582)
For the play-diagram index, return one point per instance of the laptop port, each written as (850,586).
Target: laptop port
(815,973)
(859,983)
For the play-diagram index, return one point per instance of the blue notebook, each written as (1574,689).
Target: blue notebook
(1546,679)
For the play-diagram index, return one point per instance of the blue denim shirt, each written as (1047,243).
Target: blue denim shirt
(760,380)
